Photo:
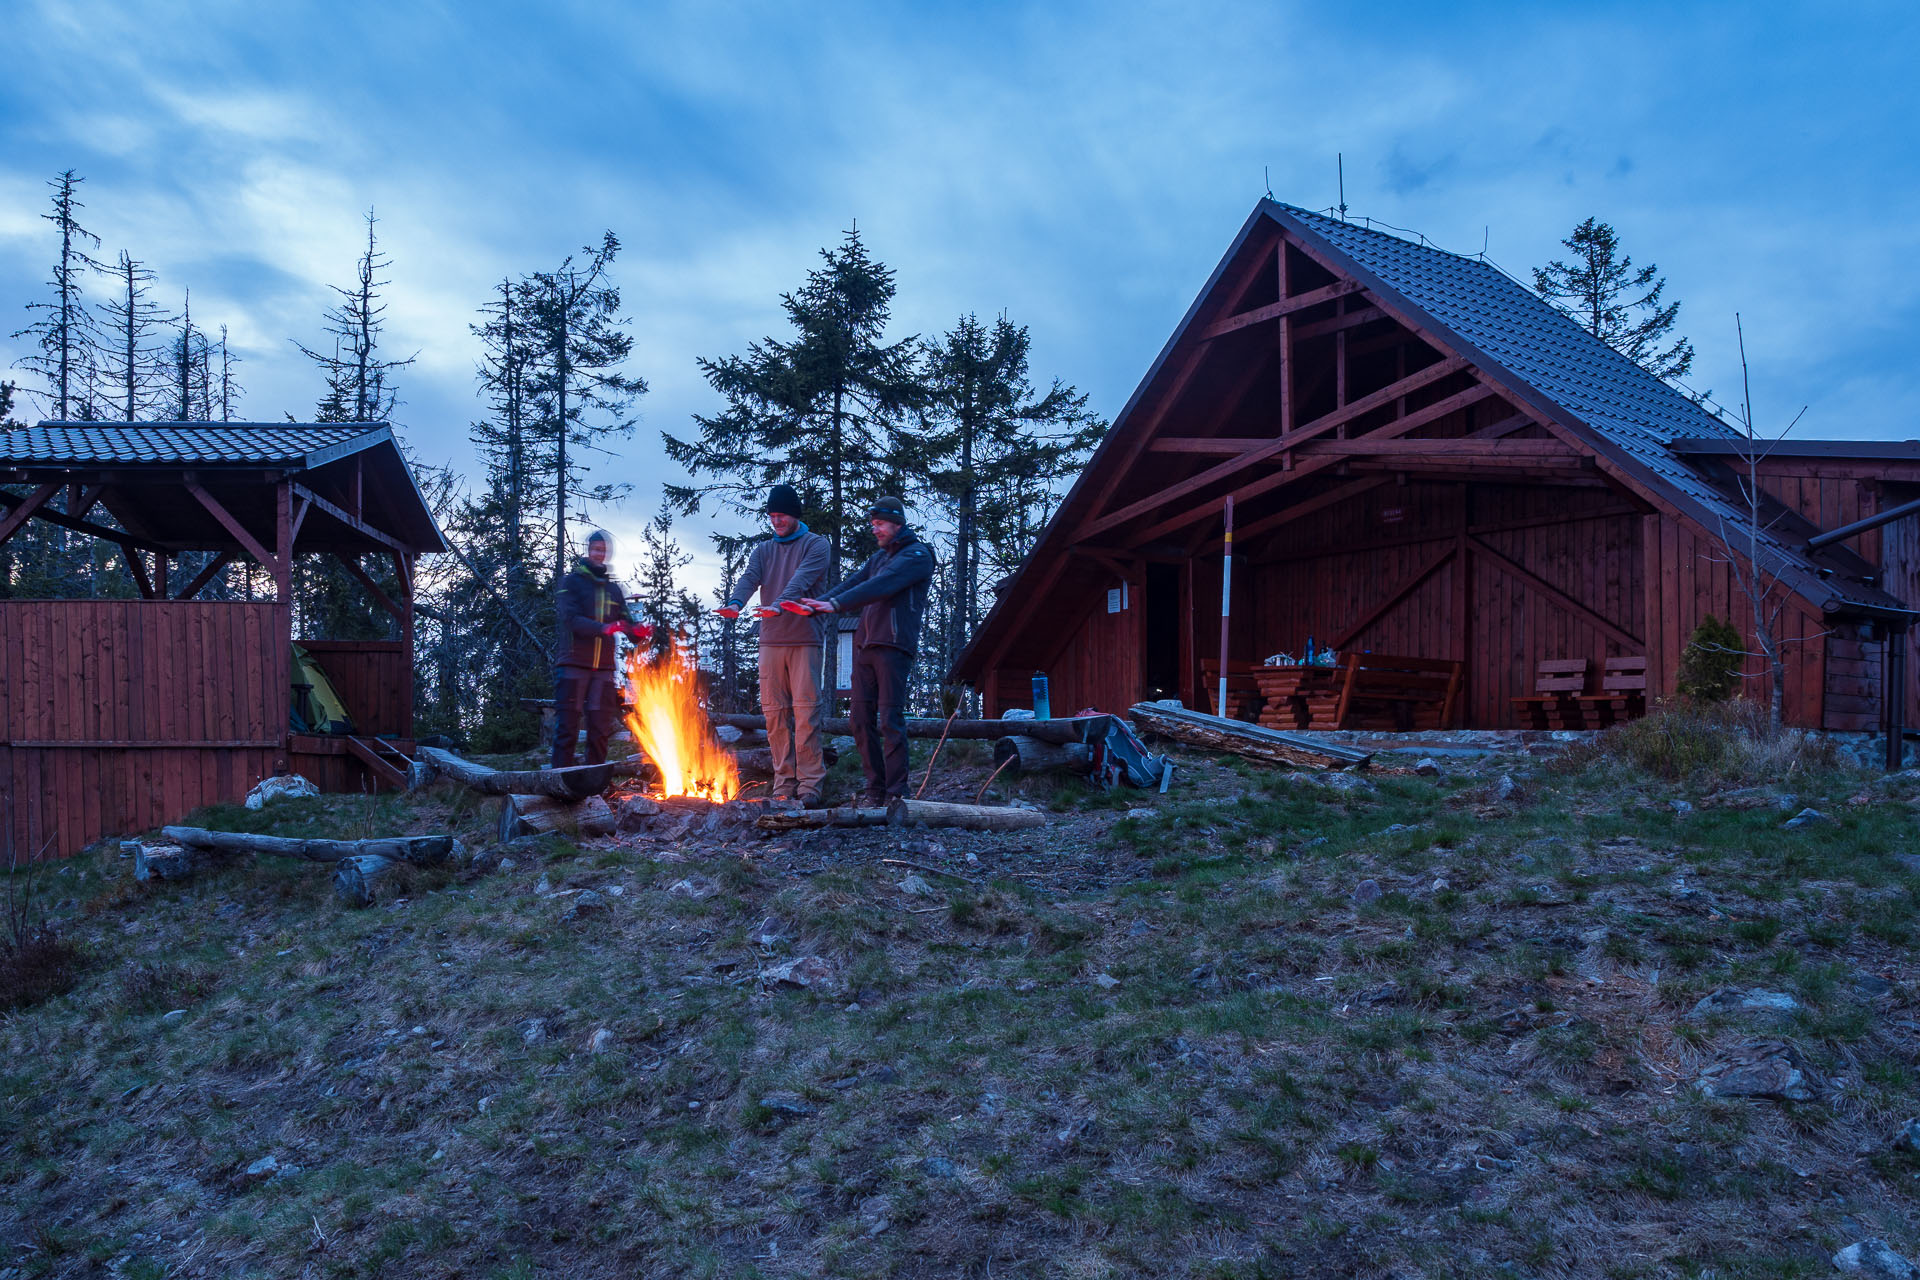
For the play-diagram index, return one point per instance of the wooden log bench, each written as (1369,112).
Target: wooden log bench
(1623,692)
(1554,703)
(1387,691)
(1244,695)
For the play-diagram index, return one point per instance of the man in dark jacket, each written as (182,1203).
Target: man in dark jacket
(890,590)
(784,569)
(593,611)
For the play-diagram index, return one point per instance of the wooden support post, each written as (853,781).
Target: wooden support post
(1226,593)
(161,561)
(250,544)
(137,566)
(403,564)
(39,498)
(1463,580)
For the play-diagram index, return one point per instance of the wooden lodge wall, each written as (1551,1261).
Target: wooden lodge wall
(120,715)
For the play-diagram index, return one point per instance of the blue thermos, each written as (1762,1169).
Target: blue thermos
(1042,705)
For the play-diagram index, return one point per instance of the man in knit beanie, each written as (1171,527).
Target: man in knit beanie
(785,568)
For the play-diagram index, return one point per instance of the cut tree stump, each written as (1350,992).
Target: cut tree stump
(1256,742)
(576,783)
(358,881)
(539,815)
(422,850)
(1072,729)
(966,817)
(162,861)
(1031,755)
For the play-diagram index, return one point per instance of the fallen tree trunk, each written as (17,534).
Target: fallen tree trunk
(539,815)
(806,819)
(576,783)
(966,817)
(1071,729)
(1256,742)
(422,850)
(1030,755)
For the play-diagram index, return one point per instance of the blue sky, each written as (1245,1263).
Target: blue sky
(1079,166)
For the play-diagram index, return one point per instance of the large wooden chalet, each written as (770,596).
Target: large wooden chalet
(120,715)
(1427,459)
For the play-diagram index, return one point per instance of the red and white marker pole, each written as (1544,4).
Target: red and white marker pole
(1226,606)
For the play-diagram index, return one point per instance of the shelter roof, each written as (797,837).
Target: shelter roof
(301,445)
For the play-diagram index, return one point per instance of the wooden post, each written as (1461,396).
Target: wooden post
(1226,598)
(1286,392)
(403,565)
(279,662)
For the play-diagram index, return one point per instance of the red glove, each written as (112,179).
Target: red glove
(764,613)
(729,613)
(613,628)
(794,606)
(638,632)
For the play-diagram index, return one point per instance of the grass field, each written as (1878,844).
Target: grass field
(1429,1026)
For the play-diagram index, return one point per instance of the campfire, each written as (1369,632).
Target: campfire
(672,728)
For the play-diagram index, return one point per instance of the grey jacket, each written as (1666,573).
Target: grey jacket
(792,570)
(891,587)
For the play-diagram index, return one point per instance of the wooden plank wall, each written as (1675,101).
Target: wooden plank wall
(374,678)
(1900,547)
(1098,662)
(120,715)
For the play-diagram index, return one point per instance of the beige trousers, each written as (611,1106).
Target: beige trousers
(790,697)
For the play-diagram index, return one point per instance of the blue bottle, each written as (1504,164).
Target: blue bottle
(1042,707)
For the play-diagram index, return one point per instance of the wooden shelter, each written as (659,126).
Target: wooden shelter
(1426,459)
(124,714)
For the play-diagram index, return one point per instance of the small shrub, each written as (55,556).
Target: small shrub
(1710,664)
(38,966)
(1727,743)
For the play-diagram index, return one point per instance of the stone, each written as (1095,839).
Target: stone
(1806,818)
(1681,808)
(1344,782)
(1871,986)
(1754,1001)
(585,901)
(1872,1257)
(698,888)
(533,1031)
(1139,815)
(174,1015)
(507,863)
(1366,891)
(770,932)
(1751,798)
(727,734)
(1105,981)
(876,1214)
(939,1167)
(600,1041)
(264,1167)
(916,887)
(1442,885)
(1767,1069)
(287,786)
(786,1104)
(635,813)
(1139,929)
(1427,767)
(1502,790)
(801,971)
(543,887)
(1907,1138)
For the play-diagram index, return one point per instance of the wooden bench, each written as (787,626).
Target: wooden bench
(1243,694)
(1623,692)
(1387,691)
(1554,703)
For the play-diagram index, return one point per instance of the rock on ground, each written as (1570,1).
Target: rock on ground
(1874,1258)
(1768,1069)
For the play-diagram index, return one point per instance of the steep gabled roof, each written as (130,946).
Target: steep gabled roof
(1642,431)
(301,445)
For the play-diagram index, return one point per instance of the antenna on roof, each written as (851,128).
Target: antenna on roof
(1486,238)
(1340,162)
(1267,173)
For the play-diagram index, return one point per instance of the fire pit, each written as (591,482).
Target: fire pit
(673,729)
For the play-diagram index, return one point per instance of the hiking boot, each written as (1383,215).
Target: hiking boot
(813,800)
(785,793)
(873,800)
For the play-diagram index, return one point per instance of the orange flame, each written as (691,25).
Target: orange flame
(672,728)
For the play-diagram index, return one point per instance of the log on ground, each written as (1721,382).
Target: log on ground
(1255,742)
(424,850)
(541,815)
(575,783)
(1073,729)
(360,880)
(966,817)
(1031,756)
(812,819)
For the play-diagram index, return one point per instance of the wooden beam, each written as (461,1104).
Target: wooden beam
(1437,535)
(348,519)
(1531,452)
(1592,617)
(283,540)
(1311,466)
(1318,427)
(299,518)
(1406,588)
(373,588)
(206,575)
(248,543)
(1311,329)
(1223,446)
(138,568)
(25,508)
(1300,510)
(87,498)
(1284,307)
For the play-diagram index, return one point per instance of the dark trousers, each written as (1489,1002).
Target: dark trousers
(578,691)
(880,716)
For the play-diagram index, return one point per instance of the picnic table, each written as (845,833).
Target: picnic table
(1365,691)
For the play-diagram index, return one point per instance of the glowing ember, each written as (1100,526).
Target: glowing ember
(671,726)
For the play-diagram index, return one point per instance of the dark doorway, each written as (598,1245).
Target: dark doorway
(1162,666)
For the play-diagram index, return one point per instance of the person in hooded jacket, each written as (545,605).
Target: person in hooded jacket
(593,613)
(890,590)
(785,568)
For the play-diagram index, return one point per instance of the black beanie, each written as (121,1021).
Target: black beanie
(782,500)
(888,509)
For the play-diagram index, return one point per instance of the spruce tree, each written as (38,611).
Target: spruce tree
(1614,302)
(64,331)
(130,360)
(998,450)
(186,369)
(360,382)
(826,410)
(228,389)
(580,395)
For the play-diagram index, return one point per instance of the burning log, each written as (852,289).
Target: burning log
(1064,730)
(524,815)
(576,783)
(673,729)
(420,850)
(1031,755)
(1256,742)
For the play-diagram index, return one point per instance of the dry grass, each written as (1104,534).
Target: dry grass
(1211,1060)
